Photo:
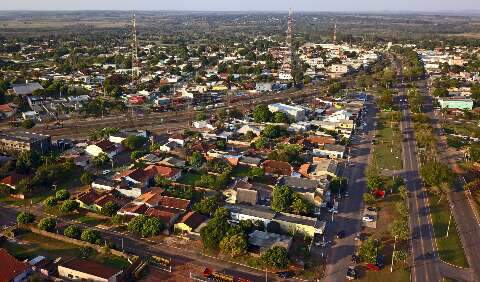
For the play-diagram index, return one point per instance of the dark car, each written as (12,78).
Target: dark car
(355,258)
(372,209)
(285,274)
(340,235)
(351,273)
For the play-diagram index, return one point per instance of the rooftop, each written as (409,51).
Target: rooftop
(92,268)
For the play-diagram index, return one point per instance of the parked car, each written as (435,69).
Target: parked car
(367,218)
(372,209)
(285,274)
(351,273)
(340,234)
(373,267)
(105,172)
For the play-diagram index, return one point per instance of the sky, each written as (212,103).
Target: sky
(245,5)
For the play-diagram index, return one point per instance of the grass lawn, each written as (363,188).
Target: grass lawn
(401,273)
(189,178)
(36,198)
(449,248)
(34,245)
(388,153)
(476,199)
(88,220)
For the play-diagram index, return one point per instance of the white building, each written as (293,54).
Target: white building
(293,112)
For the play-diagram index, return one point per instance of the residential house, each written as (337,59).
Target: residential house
(246,128)
(104,146)
(11,269)
(331,151)
(277,168)
(191,223)
(319,169)
(87,270)
(26,88)
(12,180)
(260,241)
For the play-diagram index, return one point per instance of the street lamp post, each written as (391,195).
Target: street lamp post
(393,254)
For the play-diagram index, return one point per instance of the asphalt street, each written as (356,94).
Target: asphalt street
(350,208)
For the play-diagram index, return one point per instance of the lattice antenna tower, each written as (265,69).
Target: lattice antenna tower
(335,33)
(135,61)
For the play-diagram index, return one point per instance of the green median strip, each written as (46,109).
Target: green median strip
(449,248)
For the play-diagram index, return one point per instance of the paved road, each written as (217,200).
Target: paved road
(467,220)
(423,245)
(350,209)
(144,248)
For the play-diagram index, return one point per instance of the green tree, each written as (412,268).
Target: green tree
(399,228)
(261,143)
(196,160)
(282,198)
(440,92)
(338,185)
(110,209)
(101,160)
(134,142)
(474,152)
(206,206)
(86,178)
(273,131)
(50,202)
(276,257)
(369,250)
(213,233)
(280,117)
(25,218)
(27,160)
(435,174)
(255,172)
(261,113)
(301,206)
(162,181)
(28,123)
(62,195)
(234,245)
(91,236)
(69,206)
(369,199)
(72,231)
(152,227)
(47,224)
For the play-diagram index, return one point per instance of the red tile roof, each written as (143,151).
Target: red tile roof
(193,219)
(165,171)
(13,179)
(133,208)
(10,266)
(88,197)
(6,108)
(277,167)
(166,215)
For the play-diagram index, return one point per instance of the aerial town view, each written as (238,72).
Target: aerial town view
(240,141)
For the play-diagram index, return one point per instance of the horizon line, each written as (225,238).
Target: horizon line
(464,11)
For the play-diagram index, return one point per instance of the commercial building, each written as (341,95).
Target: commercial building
(24,142)
(461,103)
(293,112)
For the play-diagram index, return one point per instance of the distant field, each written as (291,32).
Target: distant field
(13,24)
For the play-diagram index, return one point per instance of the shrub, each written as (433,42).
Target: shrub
(25,218)
(91,236)
(72,232)
(47,224)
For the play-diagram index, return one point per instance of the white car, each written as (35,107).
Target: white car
(367,218)
(333,210)
(105,172)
